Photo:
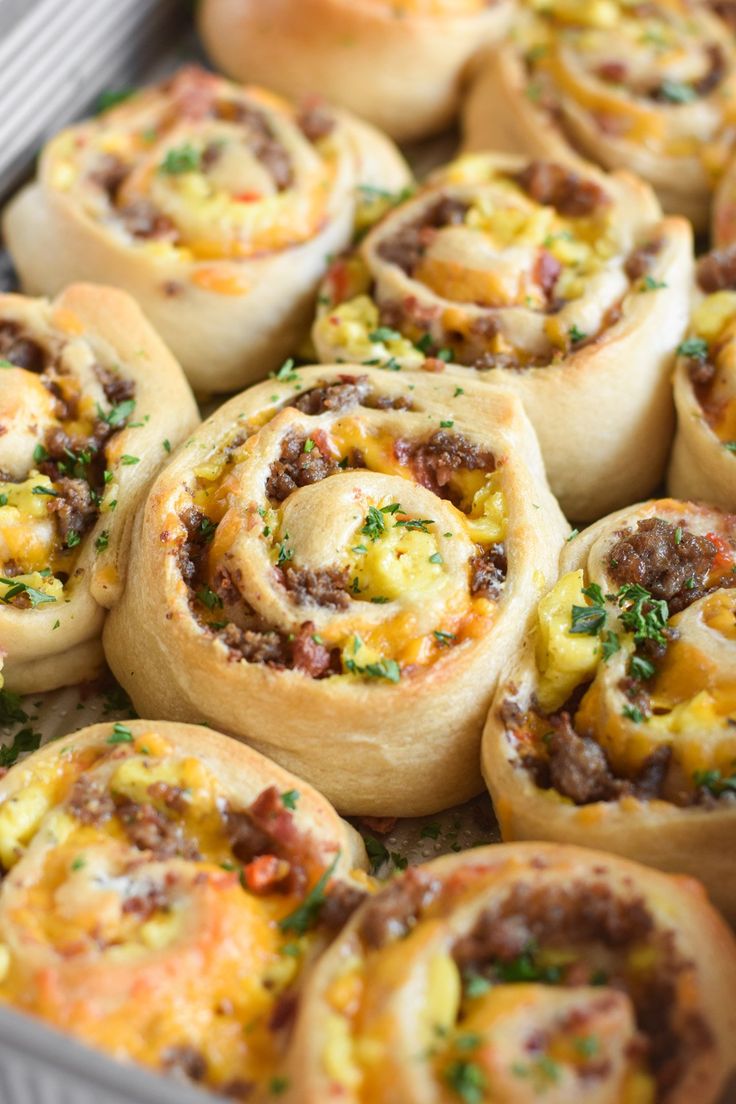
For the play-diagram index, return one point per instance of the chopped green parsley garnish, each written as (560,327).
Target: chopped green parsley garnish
(24,740)
(118,414)
(714,781)
(650,284)
(35,597)
(289,799)
(676,92)
(694,347)
(382,669)
(121,734)
(181,159)
(306,915)
(209,599)
(384,333)
(467,1080)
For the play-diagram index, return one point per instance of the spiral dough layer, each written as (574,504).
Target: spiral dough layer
(396,63)
(520,973)
(614,725)
(566,286)
(91,402)
(333,568)
(215,206)
(646,87)
(703,463)
(163,890)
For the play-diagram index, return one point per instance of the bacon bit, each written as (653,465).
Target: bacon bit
(382,825)
(615,71)
(546,270)
(524,736)
(725,554)
(309,655)
(338,280)
(611,124)
(193,92)
(71,950)
(324,443)
(248,197)
(284,1011)
(265,872)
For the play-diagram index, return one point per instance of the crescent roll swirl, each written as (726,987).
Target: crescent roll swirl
(90,402)
(615,725)
(163,887)
(333,569)
(517,973)
(703,465)
(397,63)
(567,287)
(650,88)
(215,206)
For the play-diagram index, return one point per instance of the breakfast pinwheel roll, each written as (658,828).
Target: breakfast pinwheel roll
(650,88)
(518,973)
(215,206)
(397,63)
(91,402)
(615,726)
(703,465)
(333,568)
(163,889)
(566,286)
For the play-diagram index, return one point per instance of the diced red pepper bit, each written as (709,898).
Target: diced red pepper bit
(247,197)
(724,554)
(337,278)
(265,872)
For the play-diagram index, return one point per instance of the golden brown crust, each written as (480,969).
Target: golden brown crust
(216,211)
(703,462)
(431,988)
(397,65)
(578,309)
(723,217)
(164,891)
(661,794)
(86,331)
(241,772)
(397,731)
(701,467)
(588,85)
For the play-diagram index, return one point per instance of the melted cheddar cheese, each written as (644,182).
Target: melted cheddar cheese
(416,565)
(508,1030)
(564,660)
(546,279)
(713,329)
(619,71)
(126,918)
(400,8)
(199,170)
(632,701)
(46,511)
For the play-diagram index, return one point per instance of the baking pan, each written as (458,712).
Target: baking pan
(42,1066)
(56,56)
